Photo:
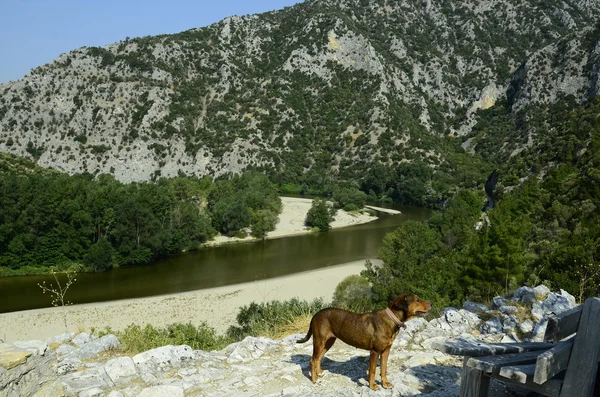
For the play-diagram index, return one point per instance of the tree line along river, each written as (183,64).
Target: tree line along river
(216,266)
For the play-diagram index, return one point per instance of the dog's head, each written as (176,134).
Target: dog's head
(411,305)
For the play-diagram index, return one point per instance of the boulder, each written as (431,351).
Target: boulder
(553,304)
(162,391)
(475,307)
(36,347)
(12,356)
(121,370)
(506,309)
(522,292)
(498,301)
(249,349)
(90,379)
(541,292)
(526,326)
(491,326)
(81,339)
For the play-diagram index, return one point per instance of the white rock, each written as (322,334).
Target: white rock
(36,347)
(541,292)
(498,301)
(62,338)
(121,370)
(162,391)
(526,326)
(250,348)
(81,339)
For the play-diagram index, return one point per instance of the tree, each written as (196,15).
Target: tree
(320,215)
(100,256)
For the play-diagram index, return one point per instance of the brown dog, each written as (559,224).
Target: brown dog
(374,331)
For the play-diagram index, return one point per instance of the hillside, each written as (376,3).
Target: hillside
(326,88)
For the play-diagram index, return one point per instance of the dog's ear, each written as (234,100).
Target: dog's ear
(401,303)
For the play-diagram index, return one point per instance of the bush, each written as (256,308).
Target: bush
(136,339)
(267,319)
(320,215)
(354,294)
(349,199)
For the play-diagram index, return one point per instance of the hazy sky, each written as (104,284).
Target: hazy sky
(34,32)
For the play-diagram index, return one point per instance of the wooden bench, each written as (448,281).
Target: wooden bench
(564,365)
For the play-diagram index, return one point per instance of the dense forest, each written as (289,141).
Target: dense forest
(51,220)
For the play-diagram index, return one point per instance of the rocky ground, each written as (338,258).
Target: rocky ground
(88,365)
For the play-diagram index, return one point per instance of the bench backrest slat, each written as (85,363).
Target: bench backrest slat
(583,364)
(552,361)
(562,325)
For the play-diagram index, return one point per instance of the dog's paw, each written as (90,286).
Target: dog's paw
(374,386)
(387,385)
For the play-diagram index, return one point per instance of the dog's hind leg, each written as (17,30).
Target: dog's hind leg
(319,350)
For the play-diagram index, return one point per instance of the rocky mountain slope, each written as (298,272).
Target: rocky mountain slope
(85,365)
(328,85)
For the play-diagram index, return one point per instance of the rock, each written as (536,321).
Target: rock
(522,292)
(508,309)
(152,364)
(51,389)
(541,292)
(62,338)
(36,347)
(249,349)
(121,370)
(69,364)
(491,326)
(509,323)
(90,379)
(65,349)
(12,356)
(94,347)
(498,301)
(162,391)
(475,307)
(93,392)
(526,326)
(81,339)
(116,393)
(553,304)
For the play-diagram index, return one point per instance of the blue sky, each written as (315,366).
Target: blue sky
(34,32)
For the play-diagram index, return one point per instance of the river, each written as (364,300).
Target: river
(216,266)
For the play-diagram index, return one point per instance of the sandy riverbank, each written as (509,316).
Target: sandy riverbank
(217,306)
(291,221)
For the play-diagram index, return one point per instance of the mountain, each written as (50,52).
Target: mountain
(328,86)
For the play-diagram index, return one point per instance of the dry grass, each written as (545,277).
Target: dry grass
(298,326)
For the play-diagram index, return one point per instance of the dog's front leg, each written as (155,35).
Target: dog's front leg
(372,368)
(384,359)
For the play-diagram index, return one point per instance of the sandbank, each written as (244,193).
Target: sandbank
(217,307)
(291,221)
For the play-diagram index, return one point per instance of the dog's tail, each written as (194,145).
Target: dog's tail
(308,334)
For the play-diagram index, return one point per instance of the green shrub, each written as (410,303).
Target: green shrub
(136,339)
(353,293)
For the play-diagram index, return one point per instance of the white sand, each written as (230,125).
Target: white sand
(217,306)
(291,221)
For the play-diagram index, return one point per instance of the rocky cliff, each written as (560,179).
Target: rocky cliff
(85,365)
(327,84)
